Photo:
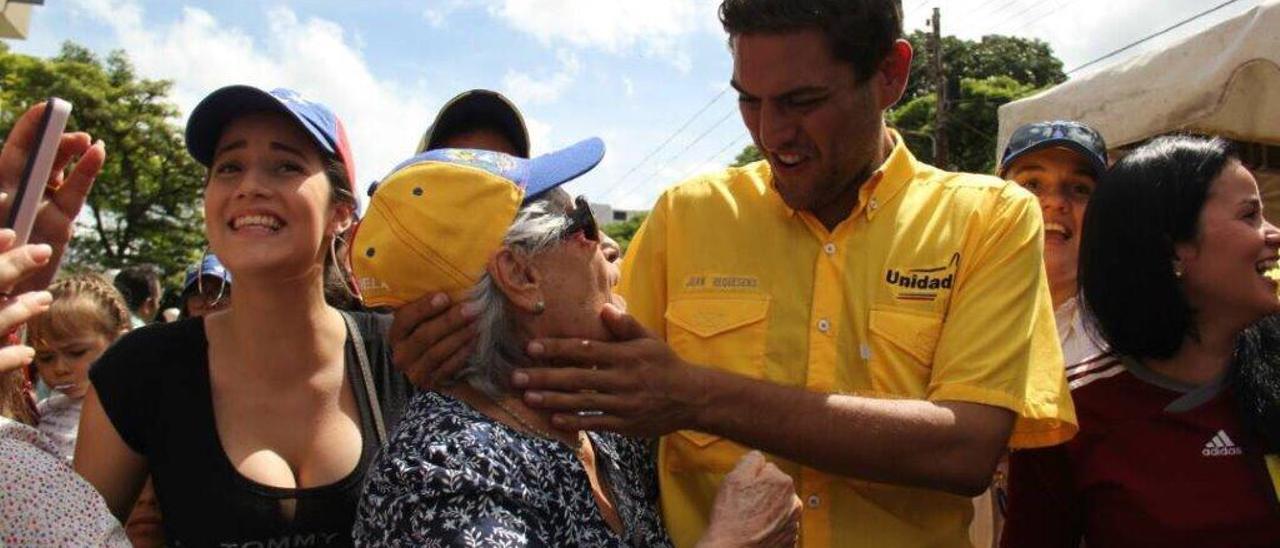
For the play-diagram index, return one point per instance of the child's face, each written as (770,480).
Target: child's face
(64,364)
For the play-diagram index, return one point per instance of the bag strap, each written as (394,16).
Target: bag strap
(366,372)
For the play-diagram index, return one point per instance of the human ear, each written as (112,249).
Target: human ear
(518,279)
(891,76)
(342,219)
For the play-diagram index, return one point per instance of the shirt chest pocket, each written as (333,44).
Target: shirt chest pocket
(722,333)
(726,334)
(902,350)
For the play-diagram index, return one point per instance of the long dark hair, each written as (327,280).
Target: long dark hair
(1255,379)
(1144,205)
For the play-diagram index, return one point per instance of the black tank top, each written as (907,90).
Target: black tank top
(154,386)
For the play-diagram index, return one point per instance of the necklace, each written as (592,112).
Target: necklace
(577,447)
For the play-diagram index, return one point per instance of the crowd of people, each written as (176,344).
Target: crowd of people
(838,345)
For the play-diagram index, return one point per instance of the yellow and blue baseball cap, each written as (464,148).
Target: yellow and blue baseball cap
(436,220)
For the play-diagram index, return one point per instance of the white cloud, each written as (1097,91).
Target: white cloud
(628,86)
(438,11)
(539,136)
(657,27)
(434,16)
(527,89)
(314,56)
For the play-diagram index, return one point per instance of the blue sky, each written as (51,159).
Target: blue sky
(631,72)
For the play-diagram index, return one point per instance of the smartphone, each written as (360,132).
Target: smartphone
(22,211)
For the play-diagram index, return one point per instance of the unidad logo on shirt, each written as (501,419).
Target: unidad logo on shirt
(922,284)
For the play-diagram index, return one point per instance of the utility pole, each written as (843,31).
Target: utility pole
(940,87)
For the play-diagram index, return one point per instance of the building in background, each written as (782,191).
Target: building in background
(15,17)
(605,214)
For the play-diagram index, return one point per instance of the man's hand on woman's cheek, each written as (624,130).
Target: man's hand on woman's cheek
(635,385)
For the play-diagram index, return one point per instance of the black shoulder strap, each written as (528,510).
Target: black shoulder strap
(362,354)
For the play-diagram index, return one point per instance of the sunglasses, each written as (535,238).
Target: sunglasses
(581,220)
(1034,134)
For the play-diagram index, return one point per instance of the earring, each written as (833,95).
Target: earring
(222,288)
(539,307)
(1177,270)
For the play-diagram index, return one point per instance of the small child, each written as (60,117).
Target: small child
(86,316)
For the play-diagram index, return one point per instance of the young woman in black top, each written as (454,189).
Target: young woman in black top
(256,423)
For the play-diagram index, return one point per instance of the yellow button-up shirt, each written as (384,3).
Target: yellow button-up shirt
(932,289)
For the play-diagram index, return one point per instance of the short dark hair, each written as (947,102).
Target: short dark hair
(861,32)
(136,283)
(1145,204)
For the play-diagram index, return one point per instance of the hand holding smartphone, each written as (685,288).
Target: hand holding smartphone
(26,202)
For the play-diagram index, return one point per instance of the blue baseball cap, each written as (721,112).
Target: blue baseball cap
(436,220)
(209,266)
(1059,133)
(212,115)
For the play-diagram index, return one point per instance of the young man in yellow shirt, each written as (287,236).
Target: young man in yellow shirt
(880,327)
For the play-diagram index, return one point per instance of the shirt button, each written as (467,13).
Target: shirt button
(824,326)
(814,501)
(829,249)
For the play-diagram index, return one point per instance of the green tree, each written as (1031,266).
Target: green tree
(146,204)
(623,231)
(1027,61)
(971,126)
(986,73)
(749,154)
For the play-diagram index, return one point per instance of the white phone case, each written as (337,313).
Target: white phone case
(23,209)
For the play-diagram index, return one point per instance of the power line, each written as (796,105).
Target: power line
(668,140)
(1154,35)
(1064,4)
(973,14)
(677,155)
(737,140)
(1010,18)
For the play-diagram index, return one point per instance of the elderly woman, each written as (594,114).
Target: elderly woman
(1180,428)
(471,463)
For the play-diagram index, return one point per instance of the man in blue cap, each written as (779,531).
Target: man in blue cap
(207,288)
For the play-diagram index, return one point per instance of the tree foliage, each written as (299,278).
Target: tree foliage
(623,231)
(971,124)
(146,204)
(987,73)
(748,155)
(1026,61)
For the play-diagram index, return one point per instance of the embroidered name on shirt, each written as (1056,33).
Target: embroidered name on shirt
(922,284)
(723,283)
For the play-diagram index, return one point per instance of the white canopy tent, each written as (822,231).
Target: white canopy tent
(1223,81)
